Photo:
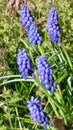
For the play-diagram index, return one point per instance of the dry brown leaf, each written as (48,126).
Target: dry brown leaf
(59,123)
(39,23)
(30,5)
(17,4)
(9,3)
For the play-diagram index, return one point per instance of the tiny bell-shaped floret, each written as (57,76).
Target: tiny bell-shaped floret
(37,113)
(53,27)
(30,26)
(45,73)
(24,64)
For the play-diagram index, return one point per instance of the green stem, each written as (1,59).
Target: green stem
(18,118)
(41,50)
(53,103)
(49,98)
(24,42)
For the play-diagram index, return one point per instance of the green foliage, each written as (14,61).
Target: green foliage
(66,17)
(15,91)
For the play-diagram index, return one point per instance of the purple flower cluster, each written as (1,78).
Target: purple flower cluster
(53,27)
(24,64)
(37,113)
(30,26)
(46,74)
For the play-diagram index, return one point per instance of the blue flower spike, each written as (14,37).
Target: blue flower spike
(53,27)
(37,113)
(30,26)
(46,74)
(24,64)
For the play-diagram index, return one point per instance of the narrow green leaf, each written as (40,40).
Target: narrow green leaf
(16,80)
(10,76)
(67,56)
(62,78)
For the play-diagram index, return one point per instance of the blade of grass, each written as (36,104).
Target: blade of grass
(20,126)
(67,56)
(16,80)
(10,76)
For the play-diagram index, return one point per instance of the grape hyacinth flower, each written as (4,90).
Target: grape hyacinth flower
(24,64)
(37,113)
(46,74)
(53,27)
(30,26)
